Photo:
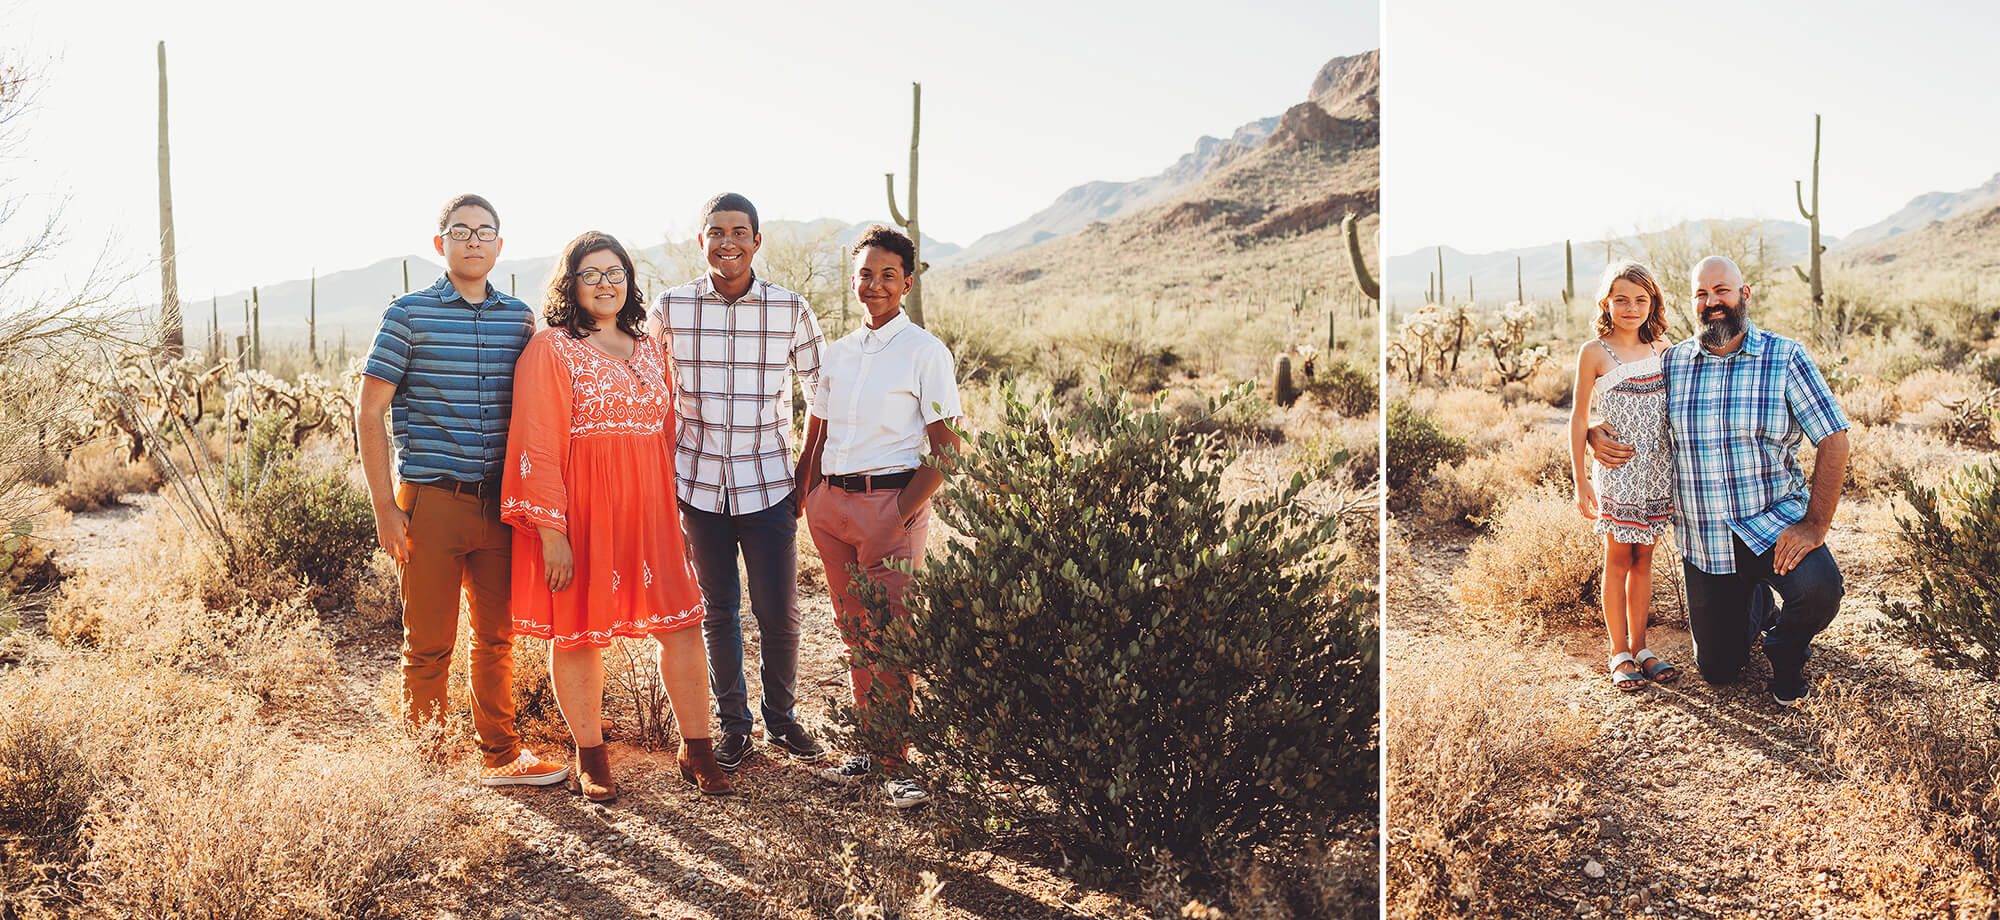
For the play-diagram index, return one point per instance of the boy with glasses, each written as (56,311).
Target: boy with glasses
(443,364)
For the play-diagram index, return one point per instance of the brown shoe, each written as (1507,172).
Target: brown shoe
(698,767)
(593,774)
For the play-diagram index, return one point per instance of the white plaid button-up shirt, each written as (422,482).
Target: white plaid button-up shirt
(733,364)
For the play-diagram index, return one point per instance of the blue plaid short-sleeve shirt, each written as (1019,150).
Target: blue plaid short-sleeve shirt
(453,366)
(1737,420)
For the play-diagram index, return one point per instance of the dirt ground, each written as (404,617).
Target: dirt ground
(1691,800)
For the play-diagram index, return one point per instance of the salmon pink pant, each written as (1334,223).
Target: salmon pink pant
(862,530)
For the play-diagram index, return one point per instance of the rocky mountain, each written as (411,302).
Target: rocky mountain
(1967,243)
(1924,210)
(1271,211)
(1097,201)
(1492,274)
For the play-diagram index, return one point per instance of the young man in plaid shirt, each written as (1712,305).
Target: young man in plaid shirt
(737,341)
(1747,519)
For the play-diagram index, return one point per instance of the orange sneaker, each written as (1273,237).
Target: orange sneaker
(526,770)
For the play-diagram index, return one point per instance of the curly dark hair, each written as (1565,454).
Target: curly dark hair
(887,238)
(1655,326)
(559,307)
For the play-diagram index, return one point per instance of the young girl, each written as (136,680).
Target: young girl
(1630,504)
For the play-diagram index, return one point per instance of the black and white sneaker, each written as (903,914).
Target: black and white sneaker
(1789,691)
(905,794)
(732,750)
(801,746)
(848,772)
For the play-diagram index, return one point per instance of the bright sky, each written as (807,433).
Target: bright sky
(1514,124)
(328,135)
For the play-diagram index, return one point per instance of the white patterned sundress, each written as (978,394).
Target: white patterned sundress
(1634,501)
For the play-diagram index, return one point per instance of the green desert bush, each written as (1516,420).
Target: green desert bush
(1539,563)
(300,512)
(1344,388)
(1171,676)
(1416,445)
(1952,541)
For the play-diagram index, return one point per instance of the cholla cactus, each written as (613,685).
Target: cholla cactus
(1508,338)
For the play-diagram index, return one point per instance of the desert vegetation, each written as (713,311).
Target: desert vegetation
(1519,782)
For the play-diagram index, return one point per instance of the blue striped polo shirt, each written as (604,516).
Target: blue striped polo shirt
(453,367)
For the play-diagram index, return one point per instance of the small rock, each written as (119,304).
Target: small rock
(1592,869)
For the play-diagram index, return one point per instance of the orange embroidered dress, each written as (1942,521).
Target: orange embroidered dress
(590,453)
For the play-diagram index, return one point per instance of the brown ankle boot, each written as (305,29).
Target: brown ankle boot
(593,774)
(698,766)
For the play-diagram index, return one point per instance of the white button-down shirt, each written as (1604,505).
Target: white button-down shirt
(733,368)
(878,388)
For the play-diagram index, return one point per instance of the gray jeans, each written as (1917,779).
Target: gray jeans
(768,541)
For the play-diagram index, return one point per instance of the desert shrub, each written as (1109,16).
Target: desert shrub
(45,790)
(1539,563)
(1467,761)
(1470,492)
(1883,456)
(299,513)
(1215,678)
(1869,403)
(1415,445)
(1345,389)
(1953,543)
(98,475)
(1243,418)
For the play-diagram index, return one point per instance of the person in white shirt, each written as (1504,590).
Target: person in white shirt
(886,393)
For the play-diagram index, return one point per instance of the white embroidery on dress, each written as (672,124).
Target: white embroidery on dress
(524,464)
(646,572)
(614,580)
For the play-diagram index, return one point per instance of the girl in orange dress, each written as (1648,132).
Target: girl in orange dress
(589,488)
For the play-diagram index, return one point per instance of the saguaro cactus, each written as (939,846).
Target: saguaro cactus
(1814,249)
(312,318)
(1569,274)
(172,340)
(406,276)
(1520,292)
(1441,294)
(256,330)
(214,329)
(915,302)
(1363,279)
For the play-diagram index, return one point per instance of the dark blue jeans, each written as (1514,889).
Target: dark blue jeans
(1726,613)
(769,543)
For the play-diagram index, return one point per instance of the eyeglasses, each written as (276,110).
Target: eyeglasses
(593,276)
(461,233)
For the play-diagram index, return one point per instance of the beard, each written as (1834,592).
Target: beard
(1718,332)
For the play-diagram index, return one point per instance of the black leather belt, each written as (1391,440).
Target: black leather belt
(871,483)
(480,489)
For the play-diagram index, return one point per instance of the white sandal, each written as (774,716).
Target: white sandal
(1659,664)
(1627,681)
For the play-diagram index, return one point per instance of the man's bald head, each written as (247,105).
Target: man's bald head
(1716,270)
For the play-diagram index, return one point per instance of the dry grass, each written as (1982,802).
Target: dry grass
(1538,564)
(160,736)
(1930,758)
(1470,758)
(1471,492)
(97,475)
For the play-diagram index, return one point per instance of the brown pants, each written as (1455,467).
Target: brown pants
(863,530)
(457,544)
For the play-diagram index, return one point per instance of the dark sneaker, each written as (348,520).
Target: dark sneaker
(732,750)
(905,794)
(796,743)
(1789,690)
(847,772)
